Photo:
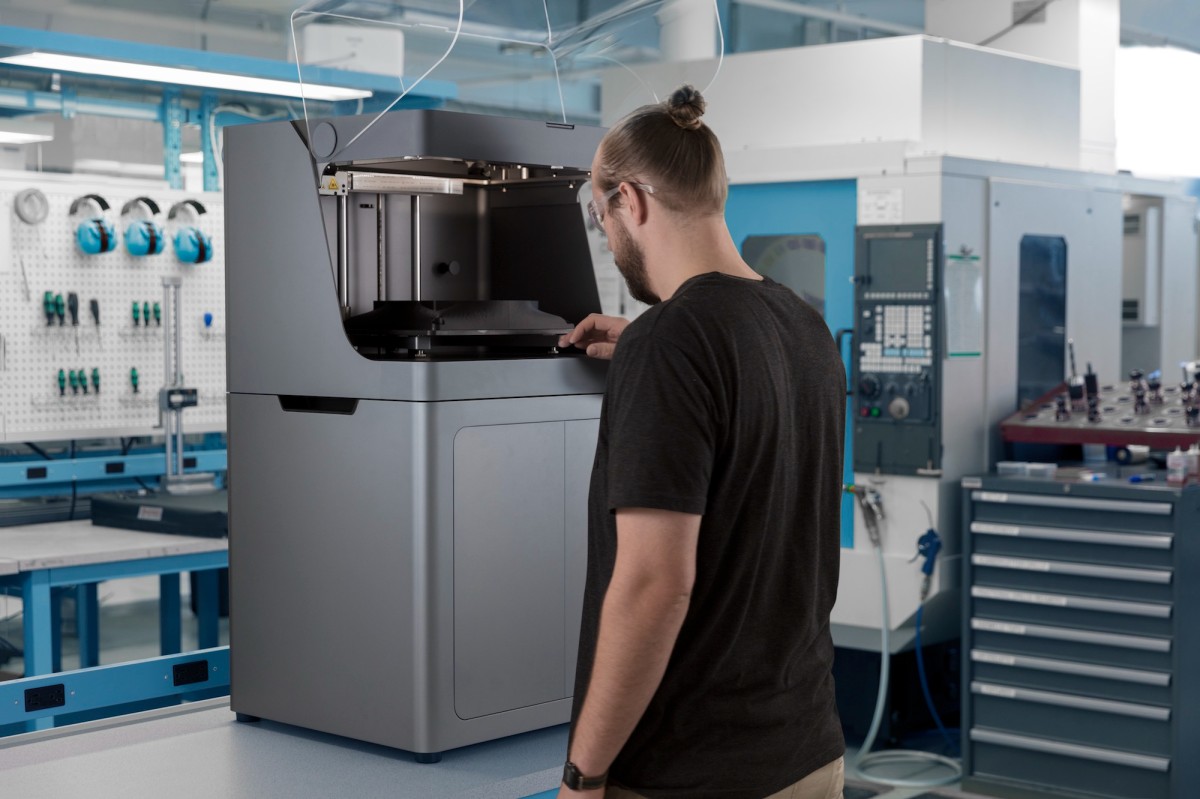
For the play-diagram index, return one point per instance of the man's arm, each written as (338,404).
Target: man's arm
(643,610)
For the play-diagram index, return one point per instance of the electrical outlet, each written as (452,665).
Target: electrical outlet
(46,697)
(190,673)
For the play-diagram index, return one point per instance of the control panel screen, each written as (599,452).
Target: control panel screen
(896,371)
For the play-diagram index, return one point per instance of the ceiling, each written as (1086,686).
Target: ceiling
(258,26)
(521,77)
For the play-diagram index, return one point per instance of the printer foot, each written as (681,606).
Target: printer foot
(428,757)
(246,718)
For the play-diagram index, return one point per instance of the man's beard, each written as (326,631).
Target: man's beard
(631,263)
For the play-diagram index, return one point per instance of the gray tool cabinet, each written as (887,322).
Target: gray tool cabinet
(1081,638)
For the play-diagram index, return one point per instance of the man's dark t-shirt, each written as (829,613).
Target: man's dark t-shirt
(728,400)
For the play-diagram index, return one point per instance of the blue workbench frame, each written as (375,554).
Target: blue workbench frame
(101,472)
(93,691)
(41,612)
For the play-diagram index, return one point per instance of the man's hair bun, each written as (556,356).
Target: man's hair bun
(686,106)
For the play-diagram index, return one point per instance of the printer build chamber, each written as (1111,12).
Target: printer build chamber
(409,453)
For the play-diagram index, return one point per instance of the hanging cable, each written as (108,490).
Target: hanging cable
(1018,22)
(721,40)
(304,11)
(871,504)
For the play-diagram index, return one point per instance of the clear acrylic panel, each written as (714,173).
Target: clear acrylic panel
(533,58)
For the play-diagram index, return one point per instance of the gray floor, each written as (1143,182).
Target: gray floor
(199,750)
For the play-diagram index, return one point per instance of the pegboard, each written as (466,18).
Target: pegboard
(35,259)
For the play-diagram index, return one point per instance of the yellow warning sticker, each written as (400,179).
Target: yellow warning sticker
(333,184)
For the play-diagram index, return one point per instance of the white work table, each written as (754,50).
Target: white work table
(80,543)
(200,751)
(38,557)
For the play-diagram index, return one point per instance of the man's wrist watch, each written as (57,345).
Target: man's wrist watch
(574,779)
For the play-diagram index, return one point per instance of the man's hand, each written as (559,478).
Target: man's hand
(597,335)
(566,793)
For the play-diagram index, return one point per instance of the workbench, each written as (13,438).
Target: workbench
(37,558)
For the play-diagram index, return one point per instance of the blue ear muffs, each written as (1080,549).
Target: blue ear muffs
(94,235)
(143,236)
(192,245)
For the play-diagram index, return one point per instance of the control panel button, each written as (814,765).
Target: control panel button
(899,408)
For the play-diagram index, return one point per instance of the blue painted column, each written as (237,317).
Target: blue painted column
(87,622)
(208,144)
(207,607)
(35,595)
(170,633)
(173,117)
(56,598)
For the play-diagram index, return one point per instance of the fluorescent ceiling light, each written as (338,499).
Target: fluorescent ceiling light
(100,166)
(23,131)
(182,77)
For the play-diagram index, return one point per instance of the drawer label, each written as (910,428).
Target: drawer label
(998,627)
(1020,596)
(995,529)
(149,513)
(997,690)
(992,496)
(1013,563)
(993,657)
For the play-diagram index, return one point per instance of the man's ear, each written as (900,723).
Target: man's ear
(635,201)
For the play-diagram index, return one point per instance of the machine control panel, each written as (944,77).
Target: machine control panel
(895,371)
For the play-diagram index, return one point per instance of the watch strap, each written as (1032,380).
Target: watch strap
(575,779)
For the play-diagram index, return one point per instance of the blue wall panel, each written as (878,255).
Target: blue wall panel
(826,208)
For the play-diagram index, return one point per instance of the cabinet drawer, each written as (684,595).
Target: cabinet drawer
(1070,577)
(1067,610)
(1125,726)
(1088,646)
(1139,550)
(1056,766)
(1108,515)
(1067,676)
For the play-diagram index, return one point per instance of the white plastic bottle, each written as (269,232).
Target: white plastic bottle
(1193,463)
(1177,467)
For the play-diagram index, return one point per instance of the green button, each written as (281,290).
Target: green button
(875,412)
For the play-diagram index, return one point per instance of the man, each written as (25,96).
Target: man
(705,651)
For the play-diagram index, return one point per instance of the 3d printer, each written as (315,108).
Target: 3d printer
(409,452)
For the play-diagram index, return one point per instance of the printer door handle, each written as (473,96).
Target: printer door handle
(297,403)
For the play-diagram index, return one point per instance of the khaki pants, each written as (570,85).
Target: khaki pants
(824,783)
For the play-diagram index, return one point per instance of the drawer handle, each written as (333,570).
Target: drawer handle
(1067,667)
(1139,642)
(1074,602)
(1067,700)
(1146,762)
(1074,503)
(1157,576)
(1076,536)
